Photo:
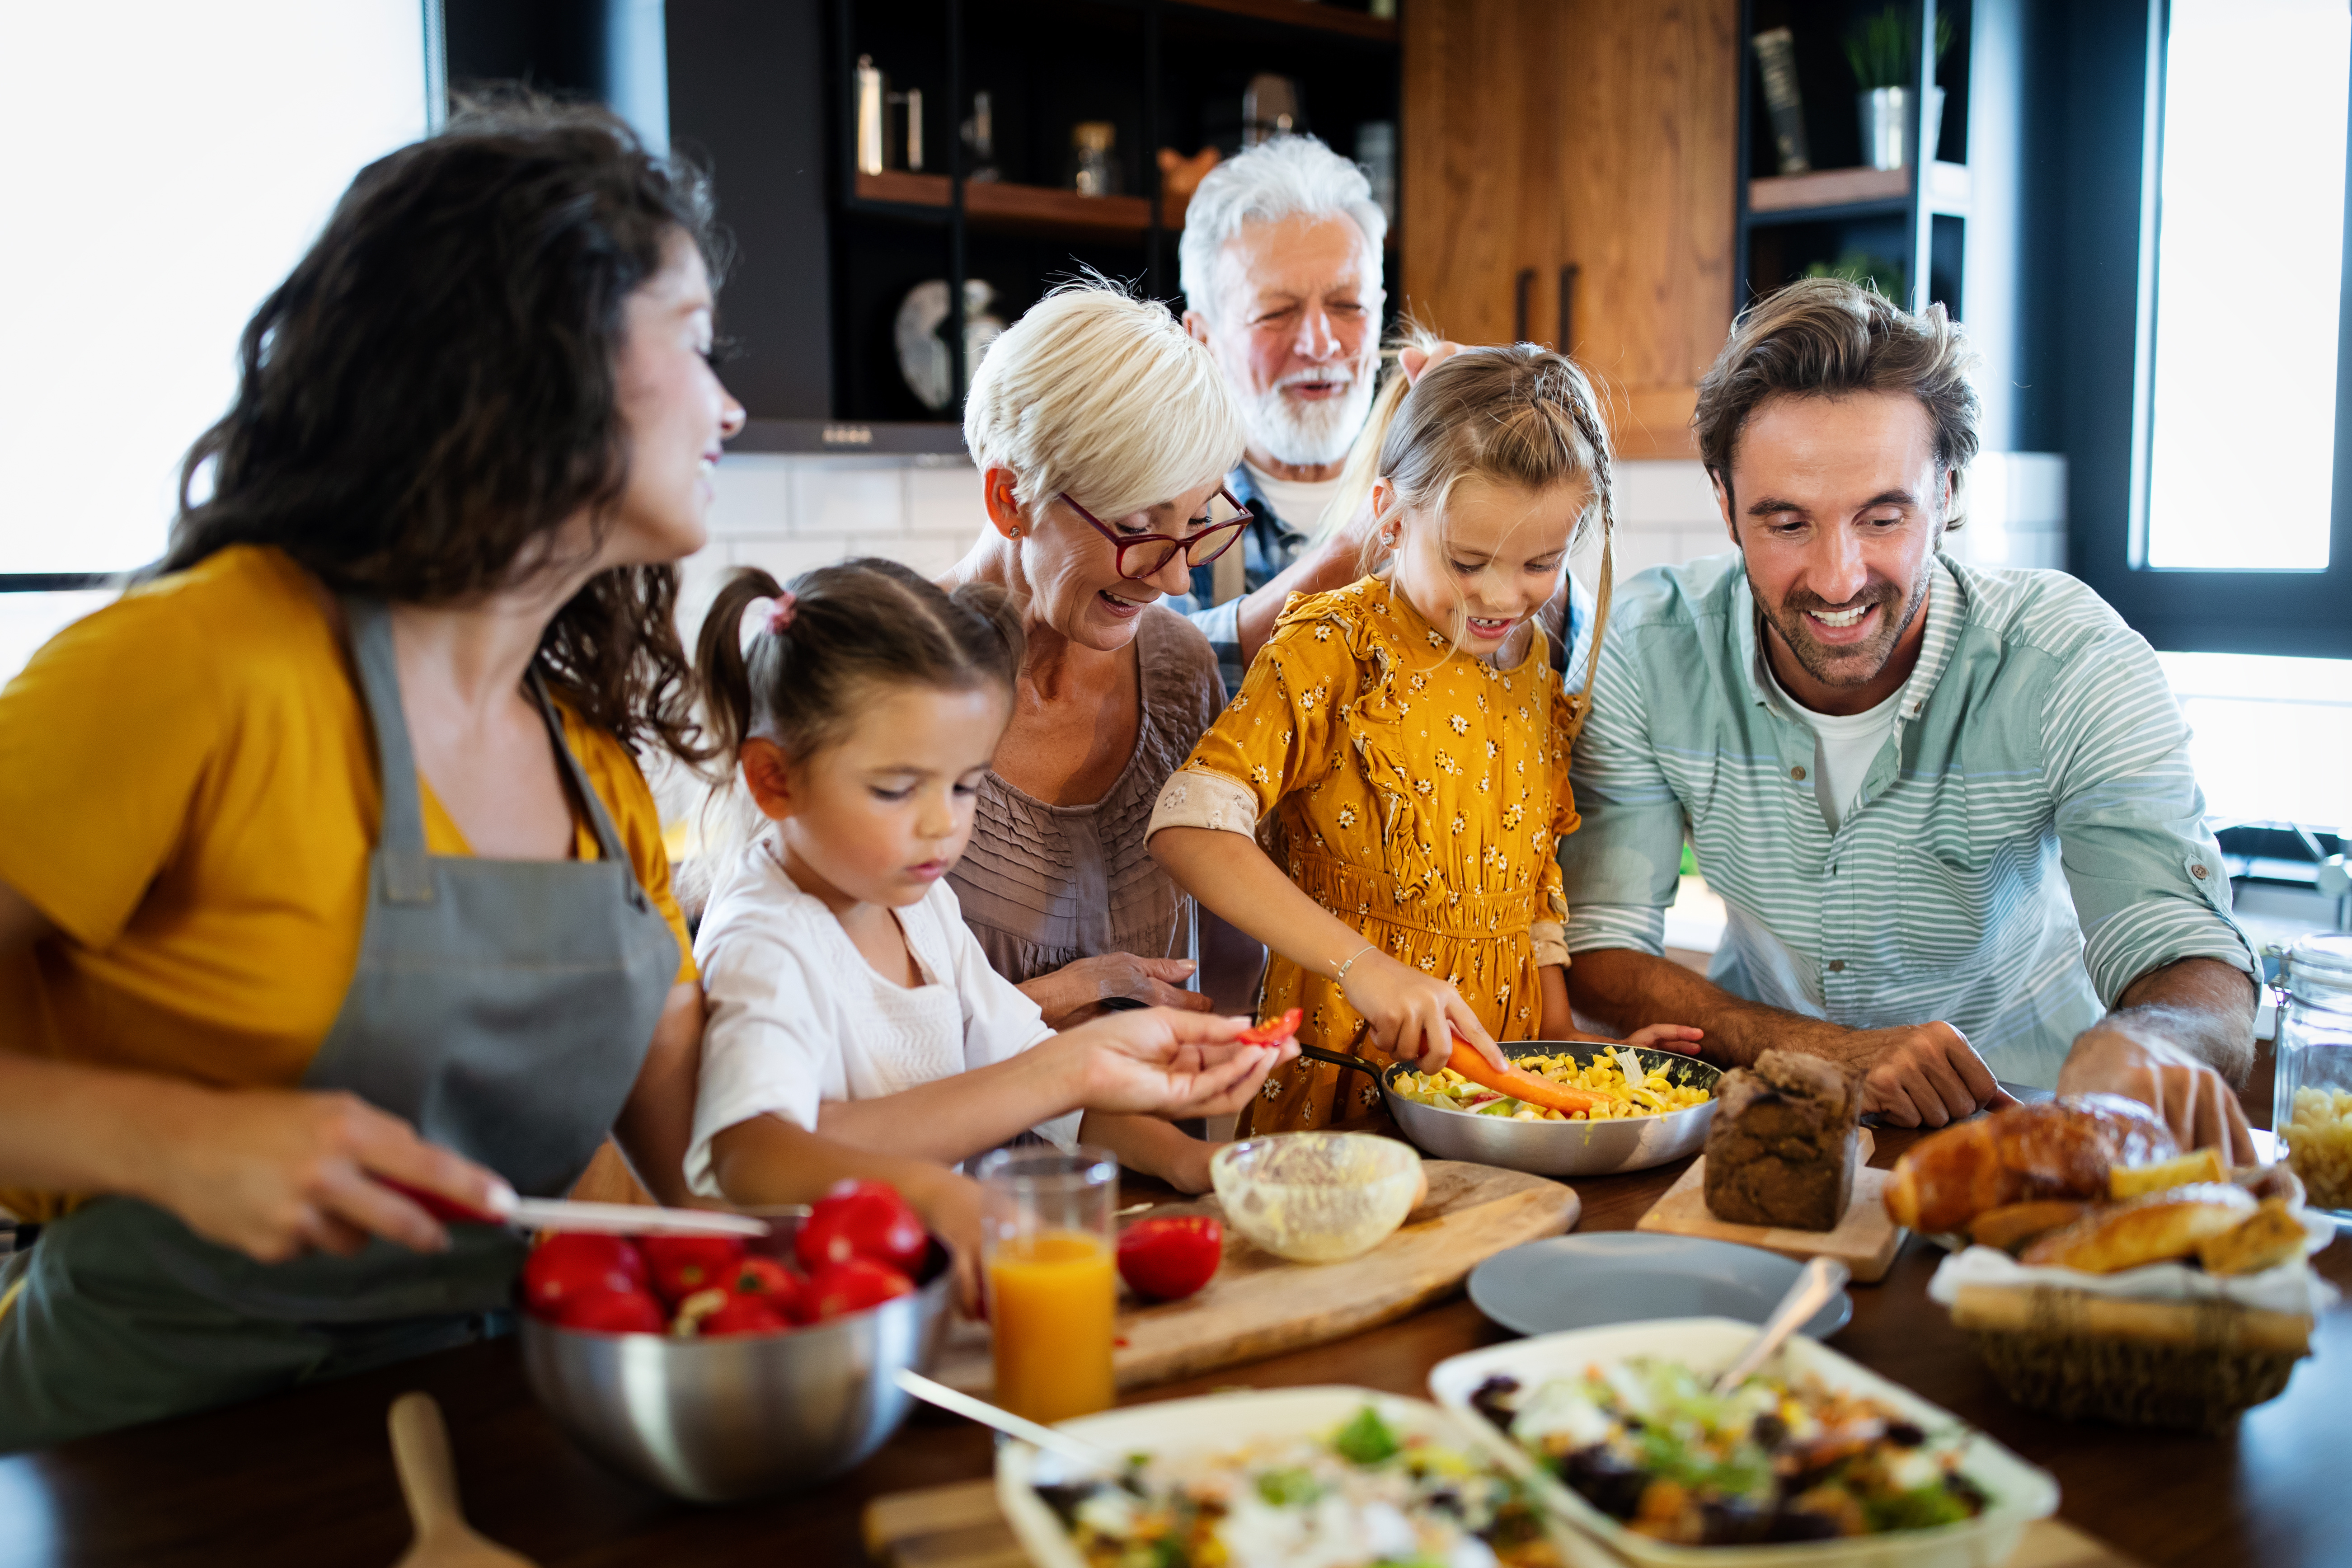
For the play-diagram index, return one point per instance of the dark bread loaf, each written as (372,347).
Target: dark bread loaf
(1781,1149)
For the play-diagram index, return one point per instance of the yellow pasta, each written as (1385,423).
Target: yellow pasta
(1653,1095)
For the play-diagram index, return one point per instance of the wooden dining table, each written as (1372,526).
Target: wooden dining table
(307,1478)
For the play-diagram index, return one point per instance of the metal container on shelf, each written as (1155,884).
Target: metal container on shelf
(1094,162)
(1563,1148)
(1889,123)
(2311,1108)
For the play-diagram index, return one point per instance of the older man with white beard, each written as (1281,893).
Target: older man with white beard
(1281,269)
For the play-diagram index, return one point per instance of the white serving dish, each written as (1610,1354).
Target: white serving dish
(1215,1423)
(2020,1492)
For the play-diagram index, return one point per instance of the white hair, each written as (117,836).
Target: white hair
(1288,176)
(1105,396)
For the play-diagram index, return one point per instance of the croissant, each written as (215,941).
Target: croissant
(2055,1149)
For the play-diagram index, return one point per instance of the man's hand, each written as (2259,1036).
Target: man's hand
(1159,1062)
(2190,1098)
(1920,1075)
(276,1173)
(1076,991)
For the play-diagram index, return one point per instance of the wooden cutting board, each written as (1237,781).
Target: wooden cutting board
(1865,1240)
(959,1526)
(1260,1305)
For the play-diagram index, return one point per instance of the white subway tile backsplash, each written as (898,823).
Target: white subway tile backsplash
(846,496)
(753,495)
(944,499)
(1664,493)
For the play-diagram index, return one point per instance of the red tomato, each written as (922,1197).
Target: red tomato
(744,1314)
(1274,1032)
(568,1264)
(862,1219)
(612,1312)
(681,1265)
(1171,1258)
(853,1287)
(769,1280)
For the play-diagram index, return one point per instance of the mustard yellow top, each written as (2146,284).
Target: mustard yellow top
(1413,790)
(188,793)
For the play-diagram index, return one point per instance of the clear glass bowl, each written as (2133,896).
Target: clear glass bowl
(1317,1197)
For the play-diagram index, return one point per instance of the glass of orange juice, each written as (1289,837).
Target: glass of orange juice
(1053,1291)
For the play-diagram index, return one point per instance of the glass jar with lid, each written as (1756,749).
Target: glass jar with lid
(2312,1110)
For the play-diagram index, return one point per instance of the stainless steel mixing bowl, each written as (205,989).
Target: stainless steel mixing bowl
(1562,1148)
(716,1420)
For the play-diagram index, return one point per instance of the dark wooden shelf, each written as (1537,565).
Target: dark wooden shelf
(1041,209)
(1794,198)
(1305,14)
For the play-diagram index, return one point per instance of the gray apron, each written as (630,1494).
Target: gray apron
(502,1006)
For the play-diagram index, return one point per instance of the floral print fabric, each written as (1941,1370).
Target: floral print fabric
(1416,791)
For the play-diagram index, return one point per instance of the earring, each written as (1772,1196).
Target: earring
(1013,534)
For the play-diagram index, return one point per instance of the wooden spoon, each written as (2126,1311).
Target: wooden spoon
(420,1452)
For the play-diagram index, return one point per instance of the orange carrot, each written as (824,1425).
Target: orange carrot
(1525,1085)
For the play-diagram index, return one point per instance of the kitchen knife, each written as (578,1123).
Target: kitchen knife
(561,1213)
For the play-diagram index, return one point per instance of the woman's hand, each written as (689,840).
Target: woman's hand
(276,1173)
(1076,991)
(1159,1062)
(1414,1016)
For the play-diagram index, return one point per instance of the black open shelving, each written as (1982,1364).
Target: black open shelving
(1788,225)
(765,92)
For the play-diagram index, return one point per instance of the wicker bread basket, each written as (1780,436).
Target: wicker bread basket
(2194,1364)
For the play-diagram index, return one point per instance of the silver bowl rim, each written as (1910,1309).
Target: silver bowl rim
(1514,1049)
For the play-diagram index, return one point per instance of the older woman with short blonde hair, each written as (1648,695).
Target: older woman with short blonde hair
(1102,434)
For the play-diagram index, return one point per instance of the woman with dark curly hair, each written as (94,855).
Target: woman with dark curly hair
(325,859)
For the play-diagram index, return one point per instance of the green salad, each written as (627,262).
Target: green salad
(1648,1443)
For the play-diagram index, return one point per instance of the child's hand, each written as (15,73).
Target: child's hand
(1162,1062)
(1414,1017)
(950,1207)
(1667,1038)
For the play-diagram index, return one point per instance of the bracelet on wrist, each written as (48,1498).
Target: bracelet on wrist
(1340,973)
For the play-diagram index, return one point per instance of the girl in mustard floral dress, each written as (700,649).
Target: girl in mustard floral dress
(1382,802)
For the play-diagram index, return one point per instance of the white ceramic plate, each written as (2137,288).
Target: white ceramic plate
(1217,1423)
(2019,1491)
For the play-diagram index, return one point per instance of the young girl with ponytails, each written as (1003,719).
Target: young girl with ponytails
(1399,747)
(848,1003)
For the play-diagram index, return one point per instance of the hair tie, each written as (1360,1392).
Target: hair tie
(766,617)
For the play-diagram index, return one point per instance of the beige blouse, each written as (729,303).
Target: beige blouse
(1042,885)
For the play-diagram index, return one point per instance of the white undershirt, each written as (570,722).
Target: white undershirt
(798,1016)
(1845,745)
(1299,502)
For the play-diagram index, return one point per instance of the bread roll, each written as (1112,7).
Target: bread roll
(2269,1237)
(2056,1149)
(2011,1226)
(2158,1228)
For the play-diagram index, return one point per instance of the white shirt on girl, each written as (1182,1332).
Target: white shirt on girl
(797,1016)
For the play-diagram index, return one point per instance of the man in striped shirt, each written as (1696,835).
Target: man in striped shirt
(1950,812)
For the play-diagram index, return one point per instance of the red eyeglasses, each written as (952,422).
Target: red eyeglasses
(1159,549)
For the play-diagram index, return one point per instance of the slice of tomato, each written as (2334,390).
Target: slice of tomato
(1274,1032)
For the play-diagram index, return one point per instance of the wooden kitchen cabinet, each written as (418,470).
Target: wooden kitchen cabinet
(1576,157)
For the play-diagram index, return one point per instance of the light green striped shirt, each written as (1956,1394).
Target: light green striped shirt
(2028,842)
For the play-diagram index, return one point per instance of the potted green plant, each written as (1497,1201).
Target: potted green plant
(1884,51)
